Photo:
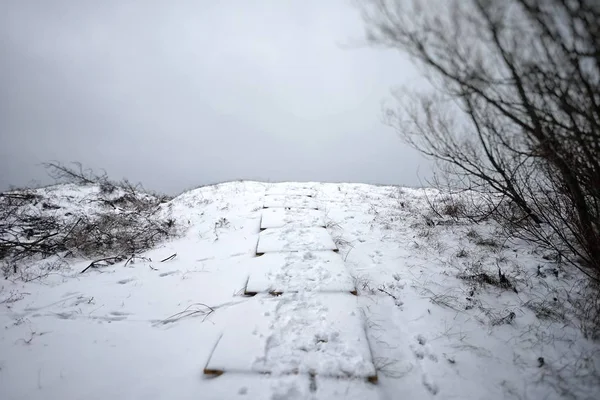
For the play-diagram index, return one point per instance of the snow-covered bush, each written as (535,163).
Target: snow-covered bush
(87,217)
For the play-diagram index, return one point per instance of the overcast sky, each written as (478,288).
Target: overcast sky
(175,94)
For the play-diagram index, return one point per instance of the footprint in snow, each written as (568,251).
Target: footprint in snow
(430,385)
(162,275)
(423,351)
(64,315)
(419,353)
(119,313)
(110,318)
(124,281)
(82,300)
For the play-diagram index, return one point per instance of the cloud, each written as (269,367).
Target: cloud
(178,94)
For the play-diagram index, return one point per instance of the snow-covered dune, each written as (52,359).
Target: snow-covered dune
(409,306)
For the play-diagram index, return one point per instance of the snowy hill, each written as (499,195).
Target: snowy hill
(296,291)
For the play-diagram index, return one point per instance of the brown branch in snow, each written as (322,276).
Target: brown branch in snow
(172,256)
(106,260)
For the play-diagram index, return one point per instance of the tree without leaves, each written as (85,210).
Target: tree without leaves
(516,110)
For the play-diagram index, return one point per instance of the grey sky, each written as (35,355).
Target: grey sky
(181,93)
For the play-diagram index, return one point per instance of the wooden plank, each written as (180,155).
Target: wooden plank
(279,217)
(256,387)
(279,201)
(316,334)
(302,271)
(264,386)
(290,192)
(345,389)
(294,239)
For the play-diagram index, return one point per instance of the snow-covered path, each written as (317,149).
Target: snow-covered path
(304,319)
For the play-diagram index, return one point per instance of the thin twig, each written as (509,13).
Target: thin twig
(172,256)
(94,263)
(388,293)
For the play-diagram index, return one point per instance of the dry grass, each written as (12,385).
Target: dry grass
(193,310)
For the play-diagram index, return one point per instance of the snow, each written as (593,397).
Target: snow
(296,333)
(284,189)
(323,271)
(148,330)
(279,217)
(257,386)
(290,201)
(294,238)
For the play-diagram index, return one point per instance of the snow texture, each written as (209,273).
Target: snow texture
(147,330)
(281,190)
(279,217)
(297,333)
(299,272)
(290,201)
(292,238)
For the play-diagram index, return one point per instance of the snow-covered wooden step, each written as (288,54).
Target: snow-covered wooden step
(285,201)
(261,387)
(264,386)
(279,217)
(294,238)
(319,334)
(344,389)
(302,271)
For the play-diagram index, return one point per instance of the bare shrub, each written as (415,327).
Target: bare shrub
(513,114)
(545,310)
(33,225)
(453,210)
(503,319)
(487,242)
(475,274)
(585,301)
(461,253)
